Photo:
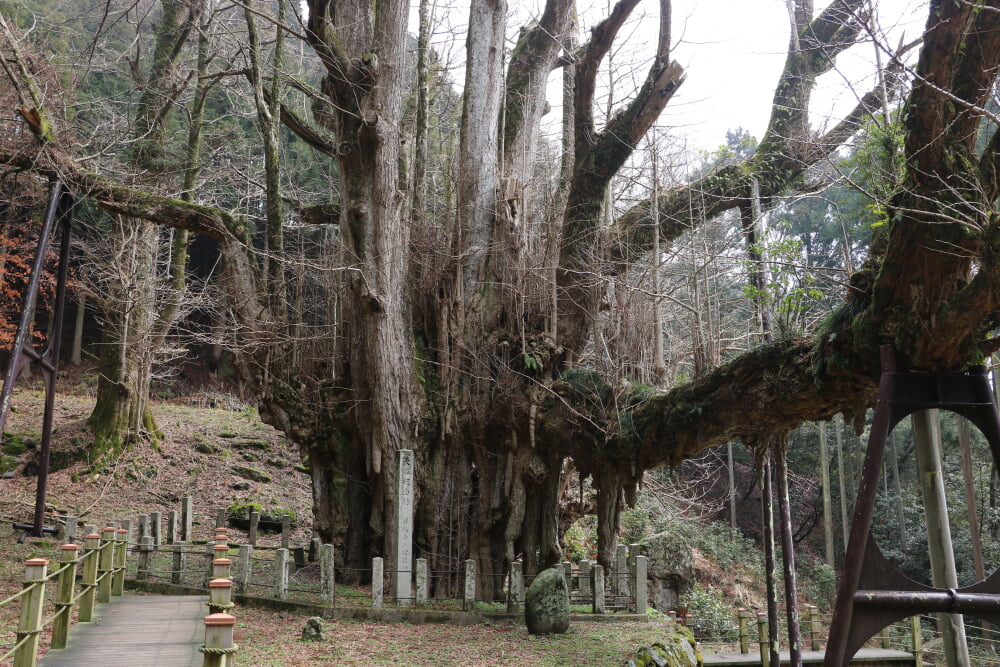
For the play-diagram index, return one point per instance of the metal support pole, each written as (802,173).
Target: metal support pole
(767,514)
(788,555)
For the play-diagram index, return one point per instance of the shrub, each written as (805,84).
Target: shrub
(712,616)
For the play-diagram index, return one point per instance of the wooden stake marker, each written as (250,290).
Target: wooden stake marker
(222,568)
(30,626)
(218,640)
(220,595)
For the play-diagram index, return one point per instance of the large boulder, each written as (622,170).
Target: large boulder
(546,604)
(670,568)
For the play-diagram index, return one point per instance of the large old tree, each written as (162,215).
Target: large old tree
(465,337)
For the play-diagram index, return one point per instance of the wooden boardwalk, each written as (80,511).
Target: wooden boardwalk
(869,657)
(160,630)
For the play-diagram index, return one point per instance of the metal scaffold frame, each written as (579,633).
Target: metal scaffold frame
(873,593)
(23,352)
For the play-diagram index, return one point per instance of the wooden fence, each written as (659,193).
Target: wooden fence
(96,574)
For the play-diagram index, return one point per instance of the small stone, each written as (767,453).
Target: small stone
(546,604)
(313,632)
(240,486)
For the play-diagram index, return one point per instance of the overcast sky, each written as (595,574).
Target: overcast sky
(732,52)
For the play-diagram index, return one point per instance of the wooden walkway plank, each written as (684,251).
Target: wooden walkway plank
(160,630)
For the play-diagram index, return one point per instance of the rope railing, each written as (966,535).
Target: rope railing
(97,573)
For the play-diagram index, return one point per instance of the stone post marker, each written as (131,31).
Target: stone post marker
(567,567)
(421,577)
(515,589)
(156,528)
(619,585)
(327,575)
(598,584)
(243,569)
(377,581)
(187,518)
(585,578)
(470,585)
(69,531)
(281,574)
(641,592)
(171,526)
(404,528)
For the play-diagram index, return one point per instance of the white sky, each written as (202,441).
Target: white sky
(732,52)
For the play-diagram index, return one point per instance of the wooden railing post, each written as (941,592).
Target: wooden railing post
(218,640)
(121,555)
(917,639)
(30,626)
(93,545)
(741,620)
(815,626)
(106,566)
(64,596)
(220,596)
(218,552)
(222,568)
(145,553)
(765,650)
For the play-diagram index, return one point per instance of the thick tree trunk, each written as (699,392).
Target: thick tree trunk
(135,323)
(377,403)
(122,412)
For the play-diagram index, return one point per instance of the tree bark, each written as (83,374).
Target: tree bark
(135,327)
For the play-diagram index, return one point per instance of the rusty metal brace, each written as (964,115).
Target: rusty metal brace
(23,352)
(873,593)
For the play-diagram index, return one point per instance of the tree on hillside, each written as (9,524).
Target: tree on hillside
(473,356)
